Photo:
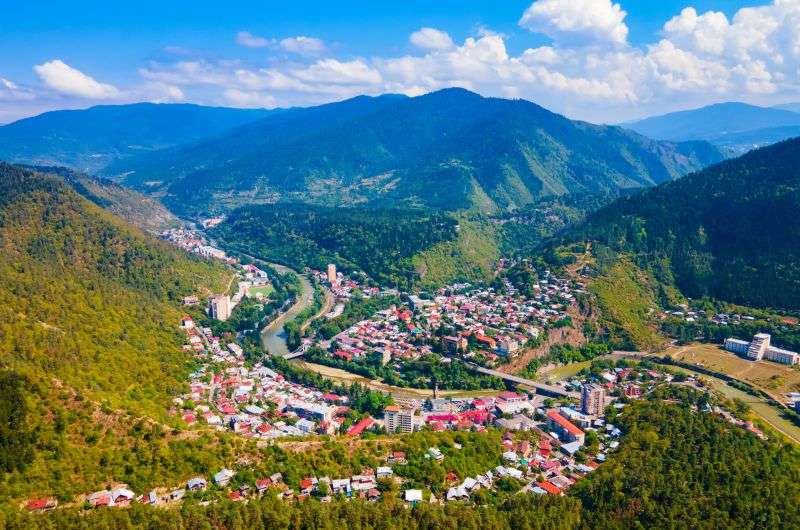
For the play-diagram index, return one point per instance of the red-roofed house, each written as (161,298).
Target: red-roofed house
(549,487)
(565,428)
(360,427)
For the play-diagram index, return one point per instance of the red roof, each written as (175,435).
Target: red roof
(263,483)
(360,427)
(442,417)
(235,496)
(549,487)
(306,483)
(38,504)
(564,423)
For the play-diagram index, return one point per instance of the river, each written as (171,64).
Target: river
(273,336)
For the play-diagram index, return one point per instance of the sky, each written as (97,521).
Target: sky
(597,60)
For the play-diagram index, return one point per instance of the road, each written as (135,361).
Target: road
(547,390)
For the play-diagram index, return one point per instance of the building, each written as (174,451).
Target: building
(398,420)
(332,273)
(454,345)
(220,307)
(760,348)
(593,400)
(736,345)
(566,430)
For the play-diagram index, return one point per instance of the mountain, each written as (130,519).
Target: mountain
(89,307)
(738,127)
(139,210)
(449,149)
(89,139)
(793,107)
(729,231)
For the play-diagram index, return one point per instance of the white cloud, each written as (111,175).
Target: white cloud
(431,39)
(245,38)
(242,98)
(68,80)
(10,91)
(577,21)
(303,45)
(589,70)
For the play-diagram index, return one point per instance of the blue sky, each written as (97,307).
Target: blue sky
(591,59)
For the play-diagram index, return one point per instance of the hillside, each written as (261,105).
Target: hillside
(737,127)
(395,247)
(728,232)
(450,149)
(88,312)
(137,209)
(90,139)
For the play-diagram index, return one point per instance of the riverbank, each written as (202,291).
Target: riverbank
(273,336)
(343,376)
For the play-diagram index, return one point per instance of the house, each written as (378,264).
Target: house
(413,496)
(122,496)
(41,505)
(341,485)
(262,485)
(384,472)
(397,457)
(549,487)
(223,477)
(306,486)
(177,495)
(435,453)
(196,484)
(564,428)
(360,426)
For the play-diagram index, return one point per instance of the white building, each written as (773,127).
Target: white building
(220,307)
(760,348)
(398,420)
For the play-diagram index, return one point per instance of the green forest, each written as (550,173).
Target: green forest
(728,232)
(379,242)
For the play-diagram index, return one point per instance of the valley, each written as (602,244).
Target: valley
(423,309)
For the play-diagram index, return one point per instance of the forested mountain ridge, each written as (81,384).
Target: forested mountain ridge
(728,232)
(89,139)
(82,289)
(450,149)
(139,210)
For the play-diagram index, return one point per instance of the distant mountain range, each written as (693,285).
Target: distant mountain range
(734,127)
(450,149)
(88,140)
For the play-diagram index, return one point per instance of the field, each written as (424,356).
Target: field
(266,290)
(776,379)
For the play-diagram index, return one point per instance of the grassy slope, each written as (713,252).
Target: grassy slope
(471,256)
(625,295)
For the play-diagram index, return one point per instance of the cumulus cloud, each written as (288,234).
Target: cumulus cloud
(588,70)
(431,39)
(245,38)
(577,21)
(63,78)
(303,45)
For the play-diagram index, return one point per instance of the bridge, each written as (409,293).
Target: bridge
(295,354)
(541,388)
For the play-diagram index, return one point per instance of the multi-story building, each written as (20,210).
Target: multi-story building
(566,430)
(760,348)
(397,419)
(736,345)
(593,400)
(332,273)
(220,306)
